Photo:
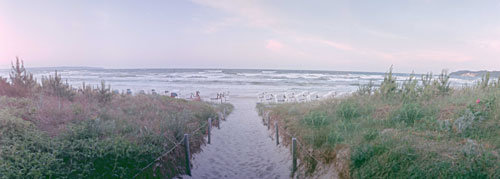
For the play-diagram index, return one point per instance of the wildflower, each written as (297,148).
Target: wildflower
(478,101)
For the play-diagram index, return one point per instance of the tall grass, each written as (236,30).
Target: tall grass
(50,130)
(415,129)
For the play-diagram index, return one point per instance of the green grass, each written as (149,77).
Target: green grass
(50,130)
(411,131)
(123,137)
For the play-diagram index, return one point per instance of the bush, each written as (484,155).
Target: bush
(22,82)
(53,131)
(414,130)
(409,113)
(316,119)
(443,83)
(53,86)
(85,153)
(348,110)
(409,88)
(24,151)
(366,89)
(485,81)
(389,85)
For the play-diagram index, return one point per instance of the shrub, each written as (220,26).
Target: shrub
(485,81)
(409,113)
(24,151)
(389,85)
(427,89)
(334,137)
(316,119)
(21,81)
(366,89)
(443,83)
(85,153)
(5,88)
(53,86)
(409,88)
(433,131)
(104,93)
(365,152)
(348,110)
(58,133)
(498,82)
(426,80)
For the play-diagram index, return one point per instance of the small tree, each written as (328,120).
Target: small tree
(104,94)
(366,89)
(389,85)
(427,80)
(485,81)
(5,88)
(409,87)
(443,82)
(427,89)
(54,86)
(22,81)
(498,82)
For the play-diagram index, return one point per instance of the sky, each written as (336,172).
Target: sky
(346,35)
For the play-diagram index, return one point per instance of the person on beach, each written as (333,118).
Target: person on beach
(197,96)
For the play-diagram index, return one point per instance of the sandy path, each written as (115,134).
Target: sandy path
(242,148)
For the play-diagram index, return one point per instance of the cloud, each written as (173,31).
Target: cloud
(432,56)
(304,44)
(256,16)
(274,45)
(490,44)
(219,25)
(336,45)
(444,56)
(251,11)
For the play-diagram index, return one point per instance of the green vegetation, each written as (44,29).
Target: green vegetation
(415,129)
(50,130)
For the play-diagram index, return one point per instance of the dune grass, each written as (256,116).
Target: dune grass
(417,129)
(49,130)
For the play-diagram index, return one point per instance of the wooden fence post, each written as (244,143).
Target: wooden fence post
(224,113)
(187,153)
(277,135)
(294,155)
(209,128)
(268,121)
(219,120)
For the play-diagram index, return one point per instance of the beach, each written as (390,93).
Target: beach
(242,148)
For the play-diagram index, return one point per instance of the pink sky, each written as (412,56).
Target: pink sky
(416,36)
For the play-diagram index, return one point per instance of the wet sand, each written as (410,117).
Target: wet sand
(242,148)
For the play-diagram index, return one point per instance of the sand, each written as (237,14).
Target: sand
(242,148)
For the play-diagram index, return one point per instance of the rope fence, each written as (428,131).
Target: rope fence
(159,158)
(186,143)
(279,130)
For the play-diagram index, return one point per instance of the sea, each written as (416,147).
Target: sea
(231,82)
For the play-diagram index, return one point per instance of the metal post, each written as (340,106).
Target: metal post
(277,135)
(187,153)
(294,155)
(209,128)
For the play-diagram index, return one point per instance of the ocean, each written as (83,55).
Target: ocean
(236,82)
